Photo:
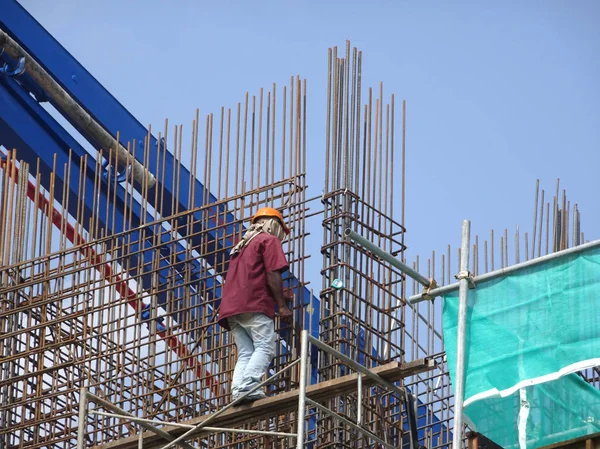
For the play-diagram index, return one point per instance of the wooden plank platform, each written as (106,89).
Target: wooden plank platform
(282,403)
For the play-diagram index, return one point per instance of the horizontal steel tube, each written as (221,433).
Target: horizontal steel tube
(252,432)
(112,407)
(355,365)
(387,257)
(189,426)
(76,113)
(135,419)
(440,291)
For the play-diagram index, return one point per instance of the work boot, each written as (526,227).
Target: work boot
(255,396)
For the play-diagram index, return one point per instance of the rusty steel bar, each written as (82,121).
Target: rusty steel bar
(80,296)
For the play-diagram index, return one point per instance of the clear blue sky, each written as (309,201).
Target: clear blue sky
(499,93)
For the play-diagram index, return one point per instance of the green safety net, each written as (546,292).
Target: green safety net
(528,333)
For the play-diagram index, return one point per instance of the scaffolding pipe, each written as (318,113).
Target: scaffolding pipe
(355,365)
(460,340)
(359,397)
(67,105)
(189,426)
(441,291)
(357,238)
(137,420)
(202,425)
(302,394)
(81,425)
(113,408)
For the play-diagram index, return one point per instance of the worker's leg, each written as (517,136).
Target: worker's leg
(261,329)
(245,349)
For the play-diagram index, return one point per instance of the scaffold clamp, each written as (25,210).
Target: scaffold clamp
(468,276)
(427,292)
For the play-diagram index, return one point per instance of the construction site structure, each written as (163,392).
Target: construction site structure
(304,396)
(113,261)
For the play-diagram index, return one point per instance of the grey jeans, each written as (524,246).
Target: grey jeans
(254,336)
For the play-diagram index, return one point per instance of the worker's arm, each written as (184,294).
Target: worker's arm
(275,283)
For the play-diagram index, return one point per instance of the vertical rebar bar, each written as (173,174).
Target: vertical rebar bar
(535,208)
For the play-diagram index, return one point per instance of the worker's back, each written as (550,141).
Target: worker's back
(246,287)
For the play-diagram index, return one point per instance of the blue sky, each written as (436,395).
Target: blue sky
(498,93)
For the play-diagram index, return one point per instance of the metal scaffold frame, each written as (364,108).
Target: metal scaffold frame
(466,281)
(303,401)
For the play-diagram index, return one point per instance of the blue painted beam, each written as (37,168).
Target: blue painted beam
(25,125)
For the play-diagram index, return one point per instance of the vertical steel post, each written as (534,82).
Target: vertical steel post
(359,398)
(83,414)
(411,415)
(302,395)
(359,401)
(460,340)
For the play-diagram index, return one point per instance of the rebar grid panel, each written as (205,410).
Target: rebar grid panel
(72,324)
(134,312)
(555,228)
(359,292)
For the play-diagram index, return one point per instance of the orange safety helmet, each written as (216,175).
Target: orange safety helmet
(270,212)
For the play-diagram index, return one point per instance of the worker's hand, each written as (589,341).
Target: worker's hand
(285,314)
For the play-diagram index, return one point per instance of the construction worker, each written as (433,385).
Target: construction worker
(253,287)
